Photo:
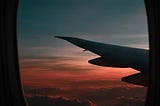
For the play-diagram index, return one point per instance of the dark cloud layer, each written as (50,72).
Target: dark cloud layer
(41,91)
(60,101)
(117,96)
(120,96)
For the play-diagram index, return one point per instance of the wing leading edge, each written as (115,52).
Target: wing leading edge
(113,55)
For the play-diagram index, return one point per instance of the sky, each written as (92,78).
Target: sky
(47,62)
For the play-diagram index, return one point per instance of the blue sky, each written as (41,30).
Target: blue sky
(109,21)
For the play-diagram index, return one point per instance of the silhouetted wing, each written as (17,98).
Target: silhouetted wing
(127,56)
(138,79)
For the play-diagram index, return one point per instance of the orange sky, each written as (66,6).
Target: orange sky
(74,78)
(68,74)
(63,71)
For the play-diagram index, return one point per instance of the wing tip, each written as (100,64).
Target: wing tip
(66,38)
(61,37)
(57,36)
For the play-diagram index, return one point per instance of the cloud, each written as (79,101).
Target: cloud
(131,101)
(117,96)
(55,63)
(60,101)
(66,102)
(68,72)
(41,91)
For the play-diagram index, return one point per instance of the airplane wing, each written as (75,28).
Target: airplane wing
(115,56)
(138,79)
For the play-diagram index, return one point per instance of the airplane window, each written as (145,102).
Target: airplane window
(83,52)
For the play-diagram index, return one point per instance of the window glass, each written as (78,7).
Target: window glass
(54,71)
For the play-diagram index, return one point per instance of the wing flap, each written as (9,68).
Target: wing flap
(138,79)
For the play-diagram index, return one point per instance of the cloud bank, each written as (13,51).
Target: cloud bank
(60,101)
